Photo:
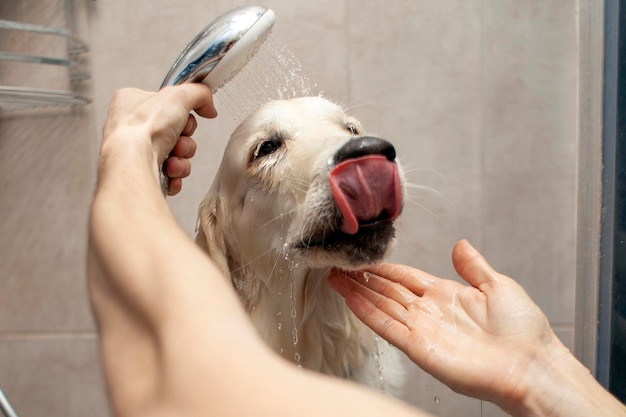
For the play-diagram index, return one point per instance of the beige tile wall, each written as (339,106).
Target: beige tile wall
(479,97)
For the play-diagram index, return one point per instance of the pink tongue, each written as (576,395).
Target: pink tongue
(364,188)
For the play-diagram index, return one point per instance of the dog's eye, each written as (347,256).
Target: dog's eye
(352,129)
(268,144)
(267,147)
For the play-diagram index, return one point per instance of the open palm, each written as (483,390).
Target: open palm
(477,339)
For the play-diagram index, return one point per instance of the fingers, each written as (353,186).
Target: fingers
(177,167)
(387,327)
(190,127)
(185,147)
(175,186)
(165,118)
(389,289)
(413,279)
(390,298)
(382,314)
(471,265)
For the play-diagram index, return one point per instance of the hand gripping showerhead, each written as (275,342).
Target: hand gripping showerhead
(220,51)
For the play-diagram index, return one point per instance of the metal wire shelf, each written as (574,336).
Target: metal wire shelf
(18,97)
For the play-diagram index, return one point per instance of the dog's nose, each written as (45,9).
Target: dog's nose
(365,145)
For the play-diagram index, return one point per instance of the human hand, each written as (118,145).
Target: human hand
(479,340)
(159,123)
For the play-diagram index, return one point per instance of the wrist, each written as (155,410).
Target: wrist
(535,394)
(556,384)
(127,155)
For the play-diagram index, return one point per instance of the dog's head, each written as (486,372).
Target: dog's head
(301,180)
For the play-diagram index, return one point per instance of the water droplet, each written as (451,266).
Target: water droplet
(280,326)
(273,73)
(437,400)
(294,312)
(366,276)
(378,365)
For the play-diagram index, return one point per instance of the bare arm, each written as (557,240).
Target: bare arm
(487,340)
(174,338)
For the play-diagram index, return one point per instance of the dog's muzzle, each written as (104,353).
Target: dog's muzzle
(365,183)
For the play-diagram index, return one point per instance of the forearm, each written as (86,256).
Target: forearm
(131,225)
(175,340)
(150,285)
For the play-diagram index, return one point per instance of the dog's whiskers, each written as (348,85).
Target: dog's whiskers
(362,101)
(414,200)
(250,262)
(279,217)
(319,282)
(303,230)
(408,171)
(269,276)
(430,190)
(297,184)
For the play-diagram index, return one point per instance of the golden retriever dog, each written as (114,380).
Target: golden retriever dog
(301,189)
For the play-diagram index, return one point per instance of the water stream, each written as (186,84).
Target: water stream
(274,73)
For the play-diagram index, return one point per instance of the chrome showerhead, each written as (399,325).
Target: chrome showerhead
(222,48)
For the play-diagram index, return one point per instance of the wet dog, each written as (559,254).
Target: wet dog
(301,189)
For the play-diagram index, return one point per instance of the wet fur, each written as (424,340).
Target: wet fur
(270,223)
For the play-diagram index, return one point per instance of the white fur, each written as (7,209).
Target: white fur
(254,221)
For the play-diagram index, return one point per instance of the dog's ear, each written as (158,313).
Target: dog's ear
(209,235)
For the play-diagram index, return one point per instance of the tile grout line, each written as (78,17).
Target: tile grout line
(21,336)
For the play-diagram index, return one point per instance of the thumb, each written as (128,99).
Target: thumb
(471,265)
(203,104)
(195,96)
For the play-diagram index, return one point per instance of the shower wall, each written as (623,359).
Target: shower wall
(479,97)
